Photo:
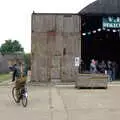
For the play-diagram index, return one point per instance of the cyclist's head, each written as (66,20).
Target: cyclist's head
(15,64)
(19,63)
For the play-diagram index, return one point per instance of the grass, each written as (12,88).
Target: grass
(5,77)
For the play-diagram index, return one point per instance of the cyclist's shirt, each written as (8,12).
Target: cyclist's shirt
(19,73)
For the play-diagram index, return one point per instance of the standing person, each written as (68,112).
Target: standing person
(81,66)
(109,69)
(13,68)
(114,70)
(103,67)
(97,66)
(93,66)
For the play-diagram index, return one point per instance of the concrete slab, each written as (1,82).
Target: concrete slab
(59,102)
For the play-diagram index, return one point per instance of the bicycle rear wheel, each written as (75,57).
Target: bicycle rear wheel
(14,94)
(24,100)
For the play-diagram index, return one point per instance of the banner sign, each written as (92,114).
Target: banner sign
(111,22)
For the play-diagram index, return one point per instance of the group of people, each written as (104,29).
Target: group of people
(109,68)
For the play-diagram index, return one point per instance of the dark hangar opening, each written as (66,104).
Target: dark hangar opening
(100,25)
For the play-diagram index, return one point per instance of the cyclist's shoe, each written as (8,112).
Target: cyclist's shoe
(18,101)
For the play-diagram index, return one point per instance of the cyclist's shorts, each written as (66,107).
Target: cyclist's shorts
(20,82)
(22,79)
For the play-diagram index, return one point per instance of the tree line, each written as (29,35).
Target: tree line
(14,47)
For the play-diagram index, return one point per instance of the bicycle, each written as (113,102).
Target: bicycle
(23,95)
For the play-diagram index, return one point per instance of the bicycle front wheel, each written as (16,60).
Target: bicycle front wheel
(24,100)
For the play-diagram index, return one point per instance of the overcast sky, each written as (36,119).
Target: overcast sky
(15,16)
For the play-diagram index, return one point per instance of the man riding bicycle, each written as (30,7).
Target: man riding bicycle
(20,77)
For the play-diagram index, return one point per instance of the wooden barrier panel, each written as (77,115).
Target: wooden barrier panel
(91,81)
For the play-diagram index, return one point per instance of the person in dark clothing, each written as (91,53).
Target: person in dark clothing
(13,68)
(97,66)
(81,66)
(103,67)
(109,70)
(114,66)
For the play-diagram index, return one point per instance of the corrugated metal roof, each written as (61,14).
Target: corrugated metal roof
(54,13)
(102,7)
